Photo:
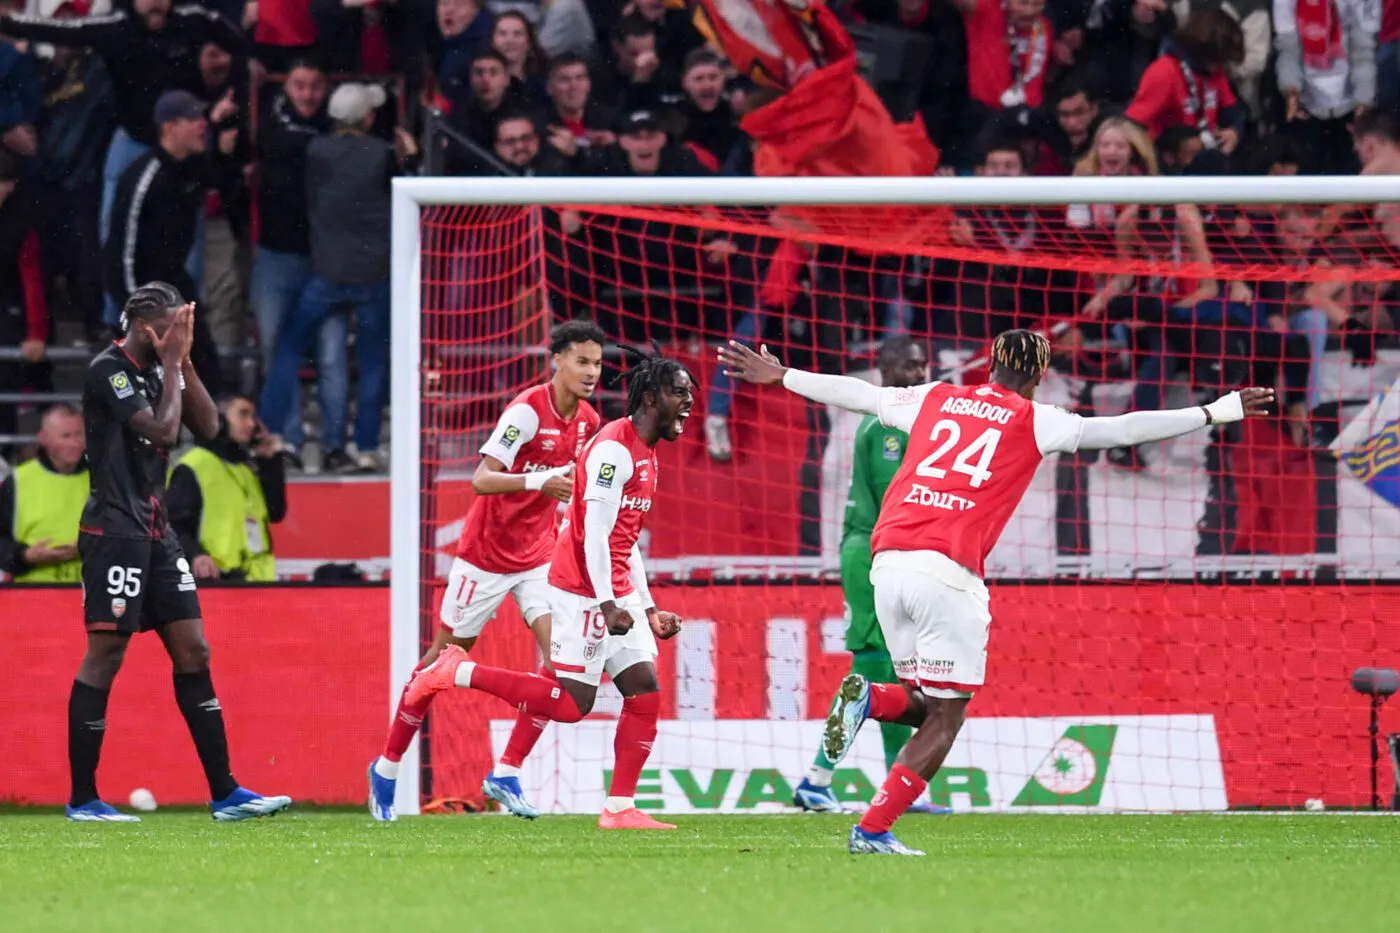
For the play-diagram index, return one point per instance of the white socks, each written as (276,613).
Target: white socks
(505,771)
(819,777)
(618,804)
(389,770)
(464,673)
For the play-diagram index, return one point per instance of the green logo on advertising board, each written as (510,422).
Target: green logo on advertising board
(1074,771)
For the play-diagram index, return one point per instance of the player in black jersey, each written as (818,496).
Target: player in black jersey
(137,394)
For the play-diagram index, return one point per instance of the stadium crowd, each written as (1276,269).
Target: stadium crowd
(242,151)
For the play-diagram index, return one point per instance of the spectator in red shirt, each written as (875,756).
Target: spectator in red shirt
(572,108)
(1009,46)
(1188,84)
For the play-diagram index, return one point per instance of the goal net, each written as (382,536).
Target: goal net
(1174,627)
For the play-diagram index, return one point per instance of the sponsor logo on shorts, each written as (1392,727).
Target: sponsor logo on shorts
(938,668)
(121,385)
(605,475)
(118,607)
(510,437)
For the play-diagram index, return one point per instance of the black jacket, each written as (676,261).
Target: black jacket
(282,141)
(348,177)
(184,503)
(143,64)
(154,217)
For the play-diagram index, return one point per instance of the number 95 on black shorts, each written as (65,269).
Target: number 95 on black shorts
(135,584)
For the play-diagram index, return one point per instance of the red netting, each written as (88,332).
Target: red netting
(1174,627)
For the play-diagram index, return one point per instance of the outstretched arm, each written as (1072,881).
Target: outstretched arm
(1144,427)
(895,408)
(764,368)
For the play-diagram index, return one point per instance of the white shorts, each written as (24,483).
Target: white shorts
(935,621)
(473,596)
(581,648)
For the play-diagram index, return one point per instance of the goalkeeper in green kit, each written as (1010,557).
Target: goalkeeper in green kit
(878,453)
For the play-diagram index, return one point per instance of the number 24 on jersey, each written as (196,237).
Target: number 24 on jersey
(973,460)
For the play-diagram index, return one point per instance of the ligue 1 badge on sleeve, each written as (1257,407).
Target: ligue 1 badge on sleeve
(121,385)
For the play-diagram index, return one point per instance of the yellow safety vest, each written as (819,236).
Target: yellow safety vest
(233,525)
(49,505)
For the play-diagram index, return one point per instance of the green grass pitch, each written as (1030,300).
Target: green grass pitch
(314,871)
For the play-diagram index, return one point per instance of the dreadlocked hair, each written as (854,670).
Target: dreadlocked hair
(649,372)
(1021,352)
(148,303)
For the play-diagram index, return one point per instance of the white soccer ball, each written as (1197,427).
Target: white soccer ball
(143,800)
(1313,805)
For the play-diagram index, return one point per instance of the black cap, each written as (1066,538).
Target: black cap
(178,105)
(639,120)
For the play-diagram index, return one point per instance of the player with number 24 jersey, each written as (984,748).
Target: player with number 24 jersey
(973,451)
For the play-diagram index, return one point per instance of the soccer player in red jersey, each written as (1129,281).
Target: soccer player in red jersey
(972,452)
(605,619)
(524,473)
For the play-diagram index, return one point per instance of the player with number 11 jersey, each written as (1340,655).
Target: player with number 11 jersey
(507,539)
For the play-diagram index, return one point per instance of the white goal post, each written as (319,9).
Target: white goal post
(410,195)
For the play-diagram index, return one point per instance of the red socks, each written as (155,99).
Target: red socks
(898,793)
(527,731)
(407,721)
(888,702)
(529,693)
(636,731)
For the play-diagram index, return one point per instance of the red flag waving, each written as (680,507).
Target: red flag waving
(827,120)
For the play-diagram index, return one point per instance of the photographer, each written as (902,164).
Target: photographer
(224,496)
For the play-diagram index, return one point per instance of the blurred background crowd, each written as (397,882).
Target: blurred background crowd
(243,152)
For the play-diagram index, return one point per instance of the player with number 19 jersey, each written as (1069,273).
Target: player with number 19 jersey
(617,464)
